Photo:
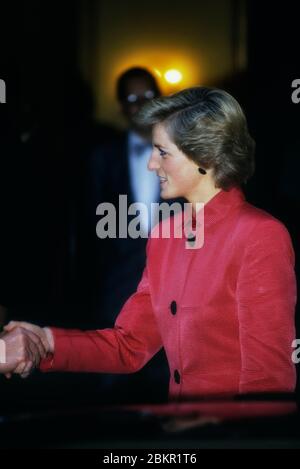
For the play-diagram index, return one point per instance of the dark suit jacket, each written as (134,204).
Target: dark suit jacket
(115,267)
(118,263)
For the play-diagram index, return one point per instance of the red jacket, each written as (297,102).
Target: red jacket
(224,313)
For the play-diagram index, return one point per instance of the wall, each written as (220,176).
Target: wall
(204,39)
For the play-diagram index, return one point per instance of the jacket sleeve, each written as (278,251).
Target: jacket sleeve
(123,349)
(266,293)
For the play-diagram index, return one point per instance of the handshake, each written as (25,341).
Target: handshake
(22,347)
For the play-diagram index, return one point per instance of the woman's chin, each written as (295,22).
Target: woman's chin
(165,194)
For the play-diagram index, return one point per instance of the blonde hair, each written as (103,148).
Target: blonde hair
(210,127)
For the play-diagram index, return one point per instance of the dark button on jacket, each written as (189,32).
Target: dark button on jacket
(176,377)
(191,238)
(173,307)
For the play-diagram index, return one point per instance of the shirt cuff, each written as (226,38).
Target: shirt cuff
(57,361)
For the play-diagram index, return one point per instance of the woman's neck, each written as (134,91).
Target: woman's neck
(203,197)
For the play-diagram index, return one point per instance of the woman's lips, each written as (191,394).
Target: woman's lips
(162,180)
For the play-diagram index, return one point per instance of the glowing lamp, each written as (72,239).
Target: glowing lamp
(173,76)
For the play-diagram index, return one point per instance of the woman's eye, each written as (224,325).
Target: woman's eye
(162,153)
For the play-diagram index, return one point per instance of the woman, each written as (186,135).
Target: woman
(223,312)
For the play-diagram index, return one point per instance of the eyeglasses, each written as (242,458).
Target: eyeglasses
(134,98)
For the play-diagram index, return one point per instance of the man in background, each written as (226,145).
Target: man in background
(119,167)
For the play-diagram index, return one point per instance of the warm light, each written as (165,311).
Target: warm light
(158,73)
(160,62)
(173,76)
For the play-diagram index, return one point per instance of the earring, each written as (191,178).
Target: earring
(201,170)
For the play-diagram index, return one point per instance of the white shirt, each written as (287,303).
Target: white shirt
(144,183)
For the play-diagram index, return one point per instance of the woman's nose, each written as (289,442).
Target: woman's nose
(154,162)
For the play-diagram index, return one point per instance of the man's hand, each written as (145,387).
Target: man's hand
(43,333)
(22,350)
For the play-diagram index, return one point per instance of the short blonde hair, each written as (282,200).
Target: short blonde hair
(210,127)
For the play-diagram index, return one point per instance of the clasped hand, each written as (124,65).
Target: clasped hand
(23,346)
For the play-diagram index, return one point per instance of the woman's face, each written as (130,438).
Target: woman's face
(179,176)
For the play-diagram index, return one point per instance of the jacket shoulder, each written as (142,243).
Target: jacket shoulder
(259,225)
(259,218)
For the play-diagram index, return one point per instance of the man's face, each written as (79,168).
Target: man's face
(138,91)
